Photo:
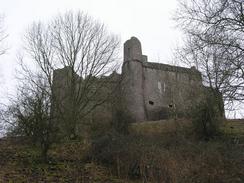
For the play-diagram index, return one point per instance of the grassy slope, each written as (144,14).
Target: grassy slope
(214,160)
(191,160)
(21,163)
(159,127)
(235,127)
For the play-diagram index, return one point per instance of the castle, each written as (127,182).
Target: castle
(152,90)
(149,91)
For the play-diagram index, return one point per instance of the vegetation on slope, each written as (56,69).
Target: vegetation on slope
(162,151)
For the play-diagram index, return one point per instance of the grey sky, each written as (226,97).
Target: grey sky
(150,21)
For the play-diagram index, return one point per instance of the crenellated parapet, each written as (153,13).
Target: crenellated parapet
(147,90)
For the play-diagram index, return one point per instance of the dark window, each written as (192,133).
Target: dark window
(151,102)
(170,105)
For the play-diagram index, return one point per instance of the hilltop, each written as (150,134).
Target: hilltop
(158,151)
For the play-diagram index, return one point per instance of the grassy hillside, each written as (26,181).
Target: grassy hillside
(21,163)
(234,127)
(160,127)
(160,151)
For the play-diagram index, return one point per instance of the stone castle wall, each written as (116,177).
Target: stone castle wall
(148,91)
(152,91)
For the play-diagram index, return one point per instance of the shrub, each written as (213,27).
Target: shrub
(173,156)
(31,117)
(121,121)
(206,117)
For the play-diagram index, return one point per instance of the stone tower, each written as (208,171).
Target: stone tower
(153,91)
(147,91)
(132,82)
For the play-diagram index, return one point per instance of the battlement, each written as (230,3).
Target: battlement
(133,53)
(150,88)
(146,89)
(170,68)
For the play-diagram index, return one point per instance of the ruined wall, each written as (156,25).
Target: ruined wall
(61,89)
(132,80)
(65,101)
(147,90)
(168,89)
(152,91)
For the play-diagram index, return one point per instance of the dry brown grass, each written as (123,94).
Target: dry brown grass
(166,151)
(234,127)
(160,127)
(20,163)
(154,152)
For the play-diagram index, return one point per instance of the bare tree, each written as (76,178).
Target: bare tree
(3,50)
(214,32)
(87,51)
(29,115)
(3,36)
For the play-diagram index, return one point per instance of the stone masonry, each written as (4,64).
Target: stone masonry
(150,91)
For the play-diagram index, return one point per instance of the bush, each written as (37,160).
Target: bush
(105,148)
(30,116)
(135,156)
(172,156)
(108,139)
(121,121)
(206,117)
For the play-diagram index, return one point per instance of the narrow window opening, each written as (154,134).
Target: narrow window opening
(170,105)
(151,102)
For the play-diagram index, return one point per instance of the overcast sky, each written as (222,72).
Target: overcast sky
(150,21)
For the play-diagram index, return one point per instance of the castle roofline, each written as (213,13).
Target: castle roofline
(167,67)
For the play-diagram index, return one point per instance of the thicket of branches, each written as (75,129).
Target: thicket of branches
(29,115)
(3,36)
(87,51)
(214,31)
(84,46)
